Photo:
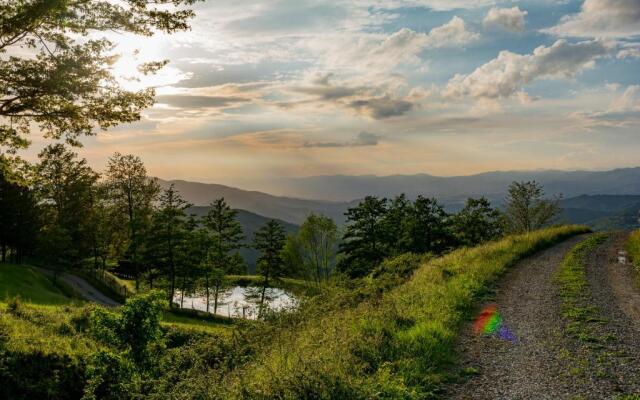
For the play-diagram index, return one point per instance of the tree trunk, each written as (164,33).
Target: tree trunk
(182,293)
(215,298)
(4,252)
(207,284)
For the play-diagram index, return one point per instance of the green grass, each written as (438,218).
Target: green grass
(593,353)
(397,346)
(198,323)
(575,292)
(30,285)
(633,247)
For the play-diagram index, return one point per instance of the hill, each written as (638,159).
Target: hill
(29,285)
(602,212)
(250,223)
(284,208)
(457,188)
(343,191)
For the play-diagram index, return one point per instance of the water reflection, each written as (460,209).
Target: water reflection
(238,301)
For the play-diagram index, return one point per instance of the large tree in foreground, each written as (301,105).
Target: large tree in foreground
(527,209)
(132,193)
(56,69)
(64,184)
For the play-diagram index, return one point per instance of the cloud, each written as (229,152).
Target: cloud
(362,140)
(381,107)
(602,18)
(505,75)
(437,5)
(192,101)
(509,19)
(375,53)
(629,50)
(623,110)
(323,89)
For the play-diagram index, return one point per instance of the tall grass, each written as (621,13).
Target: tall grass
(397,346)
(31,286)
(633,247)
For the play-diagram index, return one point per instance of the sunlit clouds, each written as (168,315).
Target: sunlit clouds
(257,90)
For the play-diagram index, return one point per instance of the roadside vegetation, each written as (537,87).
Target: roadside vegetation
(592,352)
(633,248)
(386,335)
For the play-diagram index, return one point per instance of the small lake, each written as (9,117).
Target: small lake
(239,301)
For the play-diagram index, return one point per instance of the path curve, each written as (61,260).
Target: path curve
(84,288)
(540,365)
(527,301)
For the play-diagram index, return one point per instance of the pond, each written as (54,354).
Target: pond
(239,301)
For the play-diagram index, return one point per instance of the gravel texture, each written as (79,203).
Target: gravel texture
(545,362)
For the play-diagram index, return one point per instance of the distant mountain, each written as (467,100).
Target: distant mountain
(287,209)
(588,196)
(456,189)
(602,212)
(250,223)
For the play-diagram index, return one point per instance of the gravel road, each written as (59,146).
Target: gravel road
(530,308)
(84,288)
(544,362)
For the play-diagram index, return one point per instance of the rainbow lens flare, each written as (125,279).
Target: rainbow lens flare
(489,322)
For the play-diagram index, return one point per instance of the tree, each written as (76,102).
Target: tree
(106,222)
(225,237)
(170,233)
(269,241)
(427,228)
(314,247)
(19,219)
(57,74)
(477,222)
(363,245)
(527,209)
(132,193)
(65,187)
(226,233)
(396,221)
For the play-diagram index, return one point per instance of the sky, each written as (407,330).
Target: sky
(285,88)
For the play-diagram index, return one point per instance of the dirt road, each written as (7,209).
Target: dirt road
(84,288)
(544,361)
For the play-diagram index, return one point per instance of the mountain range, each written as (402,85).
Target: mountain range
(602,200)
(339,192)
(456,189)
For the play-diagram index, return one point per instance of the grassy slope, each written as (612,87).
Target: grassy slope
(633,247)
(30,285)
(397,347)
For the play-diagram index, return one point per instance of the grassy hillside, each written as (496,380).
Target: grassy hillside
(633,247)
(30,286)
(387,336)
(397,345)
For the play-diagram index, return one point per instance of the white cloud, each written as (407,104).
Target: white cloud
(377,53)
(505,75)
(438,5)
(602,18)
(623,110)
(510,19)
(629,50)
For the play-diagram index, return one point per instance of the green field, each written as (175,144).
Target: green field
(390,335)
(30,285)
